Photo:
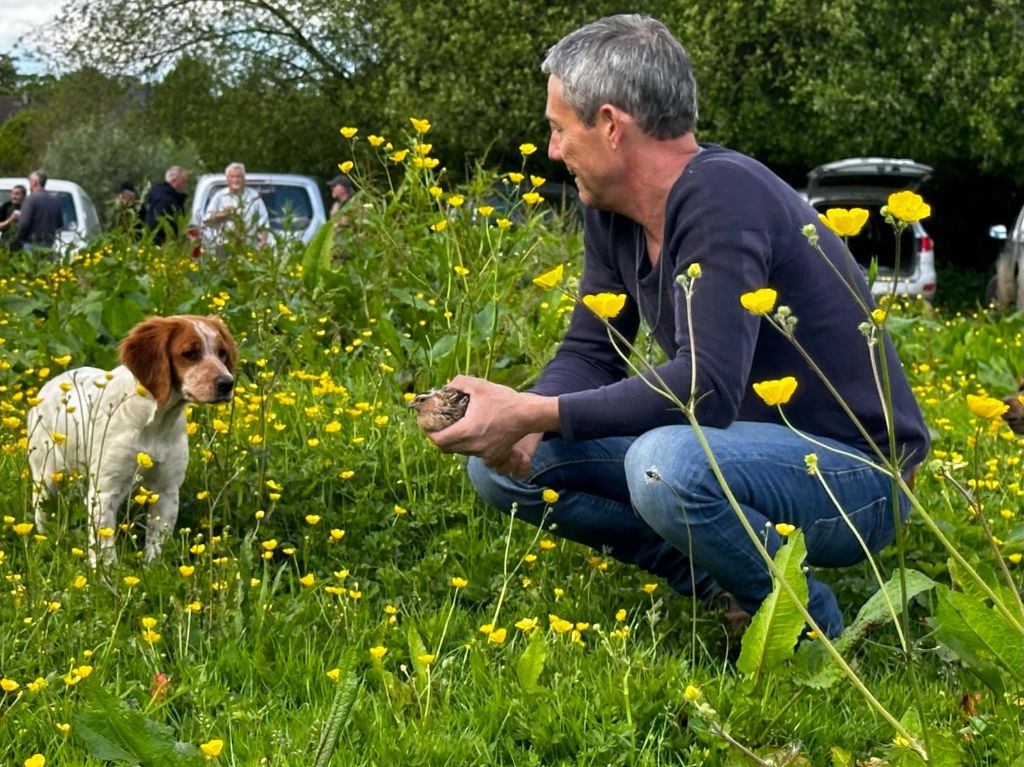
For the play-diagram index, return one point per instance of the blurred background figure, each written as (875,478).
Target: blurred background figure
(165,204)
(10,211)
(40,217)
(236,214)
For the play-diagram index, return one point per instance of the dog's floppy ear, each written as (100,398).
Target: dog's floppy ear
(227,340)
(146,353)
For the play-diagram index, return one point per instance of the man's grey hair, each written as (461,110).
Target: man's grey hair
(233,166)
(40,177)
(175,172)
(633,63)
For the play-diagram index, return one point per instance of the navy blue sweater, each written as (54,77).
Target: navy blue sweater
(742,224)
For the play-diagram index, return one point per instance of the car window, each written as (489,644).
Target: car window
(69,219)
(286,203)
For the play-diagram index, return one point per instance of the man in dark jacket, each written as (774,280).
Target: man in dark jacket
(620,469)
(165,203)
(41,216)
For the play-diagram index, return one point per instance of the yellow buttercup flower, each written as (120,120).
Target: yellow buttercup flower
(606,305)
(399,156)
(527,149)
(456,200)
(461,270)
(130,580)
(878,316)
(378,652)
(516,178)
(845,223)
(312,519)
(986,407)
(560,625)
(334,674)
(532,198)
(784,529)
(144,460)
(537,180)
(8,685)
(549,279)
(211,749)
(526,625)
(346,166)
(459,583)
(497,636)
(503,223)
(908,206)
(186,570)
(419,125)
(23,528)
(58,438)
(348,132)
(440,226)
(485,210)
(375,141)
(308,580)
(426,658)
(36,760)
(648,588)
(777,392)
(691,693)
(759,301)
(550,496)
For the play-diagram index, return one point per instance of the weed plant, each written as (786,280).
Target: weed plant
(335,594)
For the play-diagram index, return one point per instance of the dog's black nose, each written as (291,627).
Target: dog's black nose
(224,385)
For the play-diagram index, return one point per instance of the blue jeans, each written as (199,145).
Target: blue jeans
(653,501)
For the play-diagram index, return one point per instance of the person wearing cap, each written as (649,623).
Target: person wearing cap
(342,190)
(126,213)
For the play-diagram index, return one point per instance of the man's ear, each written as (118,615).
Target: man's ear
(611,122)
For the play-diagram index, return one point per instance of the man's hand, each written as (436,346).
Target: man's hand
(501,426)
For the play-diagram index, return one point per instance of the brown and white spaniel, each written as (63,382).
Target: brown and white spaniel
(97,422)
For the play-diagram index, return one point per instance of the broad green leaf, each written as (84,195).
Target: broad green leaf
(531,662)
(316,258)
(341,709)
(113,731)
(776,626)
(981,637)
(417,649)
(818,669)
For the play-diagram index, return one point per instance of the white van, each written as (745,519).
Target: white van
(295,203)
(79,220)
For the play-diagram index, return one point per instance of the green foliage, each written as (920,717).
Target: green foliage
(317,470)
(114,732)
(99,156)
(771,637)
(16,154)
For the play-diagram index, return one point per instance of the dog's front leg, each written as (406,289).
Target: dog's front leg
(102,524)
(160,521)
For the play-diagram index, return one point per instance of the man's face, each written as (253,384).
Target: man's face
(236,179)
(580,148)
(17,195)
(33,182)
(339,192)
(180,182)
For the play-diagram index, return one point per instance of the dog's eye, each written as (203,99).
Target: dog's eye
(223,354)
(190,354)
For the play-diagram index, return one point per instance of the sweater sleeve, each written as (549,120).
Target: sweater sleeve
(721,223)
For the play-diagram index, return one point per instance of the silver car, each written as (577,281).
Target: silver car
(867,182)
(1006,288)
(294,202)
(79,221)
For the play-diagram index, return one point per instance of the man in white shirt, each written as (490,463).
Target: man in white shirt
(236,214)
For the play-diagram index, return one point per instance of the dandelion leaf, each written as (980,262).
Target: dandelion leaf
(316,258)
(775,628)
(531,662)
(817,669)
(979,636)
(341,710)
(114,732)
(417,650)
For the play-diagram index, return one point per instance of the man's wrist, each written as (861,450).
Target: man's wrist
(541,413)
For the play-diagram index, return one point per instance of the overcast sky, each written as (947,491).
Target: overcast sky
(20,16)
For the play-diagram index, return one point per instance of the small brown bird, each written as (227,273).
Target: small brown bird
(439,408)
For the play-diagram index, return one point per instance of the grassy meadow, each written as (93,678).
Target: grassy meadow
(335,594)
